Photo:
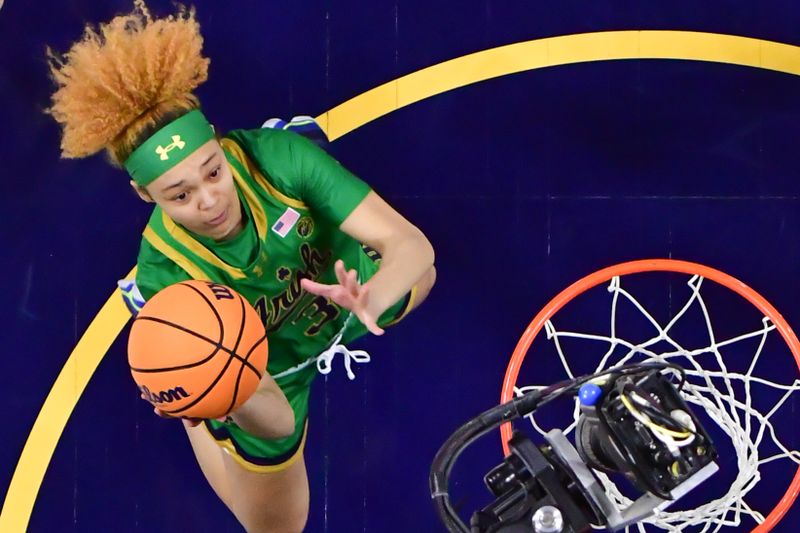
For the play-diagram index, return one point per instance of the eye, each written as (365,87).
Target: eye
(215,173)
(181,197)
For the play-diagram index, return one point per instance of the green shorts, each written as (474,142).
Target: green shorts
(262,455)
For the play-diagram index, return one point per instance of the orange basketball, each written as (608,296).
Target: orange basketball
(197,349)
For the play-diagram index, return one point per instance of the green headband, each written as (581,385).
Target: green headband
(169,146)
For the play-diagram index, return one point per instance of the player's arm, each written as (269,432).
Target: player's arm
(341,198)
(407,255)
(267,413)
(406,260)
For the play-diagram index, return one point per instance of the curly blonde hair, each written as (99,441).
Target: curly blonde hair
(121,83)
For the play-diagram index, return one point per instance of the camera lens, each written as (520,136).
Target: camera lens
(595,446)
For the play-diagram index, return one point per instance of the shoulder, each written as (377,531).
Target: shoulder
(269,142)
(284,158)
(154,270)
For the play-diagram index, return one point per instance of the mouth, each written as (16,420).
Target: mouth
(219,219)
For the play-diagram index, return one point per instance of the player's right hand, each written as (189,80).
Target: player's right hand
(189,422)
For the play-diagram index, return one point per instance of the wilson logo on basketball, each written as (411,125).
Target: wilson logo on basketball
(165,396)
(221,292)
(182,336)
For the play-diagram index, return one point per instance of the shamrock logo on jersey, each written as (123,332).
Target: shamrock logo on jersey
(305,227)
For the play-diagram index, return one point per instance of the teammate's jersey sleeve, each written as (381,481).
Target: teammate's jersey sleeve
(301,170)
(154,271)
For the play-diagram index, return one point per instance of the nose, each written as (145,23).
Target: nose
(206,199)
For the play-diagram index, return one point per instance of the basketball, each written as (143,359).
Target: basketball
(197,349)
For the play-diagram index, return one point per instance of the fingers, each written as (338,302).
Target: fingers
(319,289)
(341,273)
(349,293)
(191,422)
(187,421)
(346,278)
(347,287)
(367,319)
(343,276)
(156,410)
(352,283)
(374,328)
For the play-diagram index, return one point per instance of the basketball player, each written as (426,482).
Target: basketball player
(264,211)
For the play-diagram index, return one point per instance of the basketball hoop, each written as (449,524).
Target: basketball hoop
(711,386)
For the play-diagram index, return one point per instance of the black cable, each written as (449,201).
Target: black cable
(461,438)
(634,368)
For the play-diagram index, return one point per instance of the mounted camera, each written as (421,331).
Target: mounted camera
(633,422)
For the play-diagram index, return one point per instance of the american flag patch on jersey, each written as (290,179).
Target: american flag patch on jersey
(287,221)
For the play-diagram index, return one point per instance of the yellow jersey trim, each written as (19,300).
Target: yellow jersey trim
(256,209)
(173,255)
(196,248)
(239,154)
(409,306)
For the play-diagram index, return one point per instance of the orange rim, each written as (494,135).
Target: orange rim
(653,265)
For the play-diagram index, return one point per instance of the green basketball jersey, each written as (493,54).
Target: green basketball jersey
(294,197)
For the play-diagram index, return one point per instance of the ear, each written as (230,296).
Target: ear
(142,192)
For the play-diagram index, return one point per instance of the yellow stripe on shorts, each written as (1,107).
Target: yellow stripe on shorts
(230,449)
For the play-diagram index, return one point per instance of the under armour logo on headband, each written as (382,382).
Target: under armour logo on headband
(163,151)
(155,155)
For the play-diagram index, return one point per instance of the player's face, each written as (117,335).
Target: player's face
(199,194)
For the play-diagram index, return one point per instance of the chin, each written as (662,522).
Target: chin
(210,233)
(222,235)
(226,232)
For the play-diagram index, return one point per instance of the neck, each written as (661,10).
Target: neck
(237,229)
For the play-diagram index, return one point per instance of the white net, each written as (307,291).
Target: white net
(726,396)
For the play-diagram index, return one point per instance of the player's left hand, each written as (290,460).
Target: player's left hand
(348,293)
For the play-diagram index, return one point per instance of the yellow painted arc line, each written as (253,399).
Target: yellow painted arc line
(554,51)
(58,406)
(350,115)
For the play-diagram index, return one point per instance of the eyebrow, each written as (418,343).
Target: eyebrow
(176,184)
(180,182)
(212,156)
